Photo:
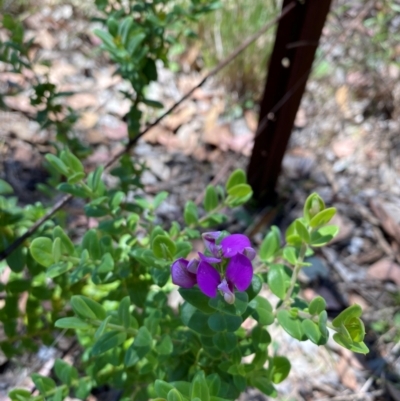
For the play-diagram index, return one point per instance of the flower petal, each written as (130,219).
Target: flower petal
(208,279)
(239,272)
(209,259)
(180,275)
(233,244)
(193,265)
(210,240)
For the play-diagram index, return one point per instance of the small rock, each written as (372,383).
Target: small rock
(385,270)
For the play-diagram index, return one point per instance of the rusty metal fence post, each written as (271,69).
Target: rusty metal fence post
(296,41)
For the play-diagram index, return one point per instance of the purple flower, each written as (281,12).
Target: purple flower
(239,273)
(226,266)
(181,275)
(230,245)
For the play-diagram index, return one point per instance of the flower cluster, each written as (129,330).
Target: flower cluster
(225,266)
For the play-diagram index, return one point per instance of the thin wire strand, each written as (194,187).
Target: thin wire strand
(63,201)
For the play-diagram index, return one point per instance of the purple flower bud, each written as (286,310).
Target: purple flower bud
(249,253)
(180,274)
(229,298)
(193,266)
(210,242)
(227,291)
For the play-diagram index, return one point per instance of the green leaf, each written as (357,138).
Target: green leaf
(322,217)
(57,164)
(91,242)
(153,103)
(219,322)
(264,385)
(56,250)
(260,358)
(74,190)
(280,369)
(196,298)
(349,313)
(317,305)
(106,265)
(236,178)
(134,42)
(116,200)
(270,244)
(278,280)
(72,323)
(165,346)
(19,394)
(18,285)
(255,287)
(65,372)
(236,309)
(261,338)
(66,244)
(225,342)
(124,316)
(311,330)
(190,214)
(102,328)
(72,162)
(289,254)
(262,311)
(240,191)
(17,260)
(131,357)
(313,205)
(240,382)
(9,22)
(112,26)
(124,28)
(162,388)
(83,388)
(143,338)
(87,308)
(163,247)
(76,178)
(324,235)
(159,198)
(195,320)
(290,324)
(355,328)
(107,341)
(322,322)
(94,178)
(105,37)
(302,231)
(5,188)
(42,251)
(43,384)
(174,395)
(214,384)
(210,199)
(360,347)
(200,388)
(58,269)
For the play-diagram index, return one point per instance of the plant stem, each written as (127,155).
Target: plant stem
(293,281)
(116,327)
